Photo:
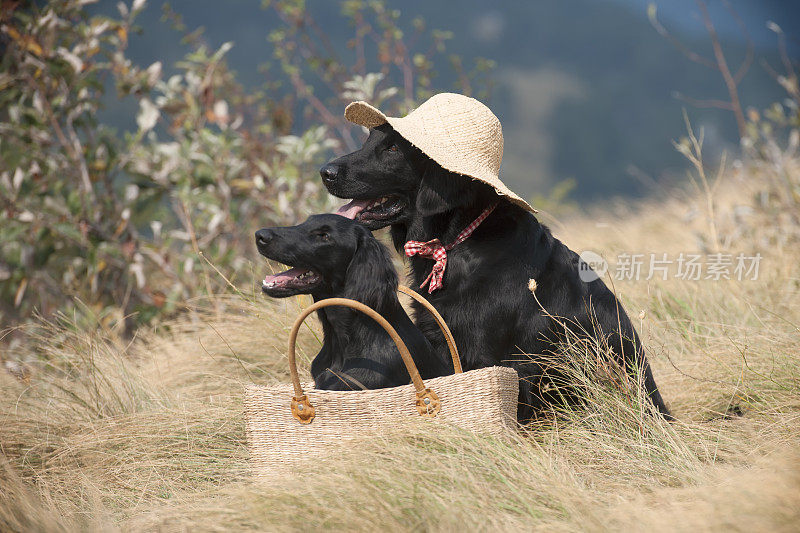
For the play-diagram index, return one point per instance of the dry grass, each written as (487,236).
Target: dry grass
(149,436)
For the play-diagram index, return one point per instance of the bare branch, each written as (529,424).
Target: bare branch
(704,102)
(788,80)
(787,62)
(722,66)
(327,117)
(361,60)
(682,48)
(71,145)
(408,71)
(771,71)
(748,58)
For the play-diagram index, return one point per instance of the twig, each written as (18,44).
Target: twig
(250,374)
(190,228)
(705,103)
(722,66)
(748,60)
(685,50)
(719,63)
(231,285)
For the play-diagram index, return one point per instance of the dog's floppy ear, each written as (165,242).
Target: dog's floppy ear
(441,191)
(371,277)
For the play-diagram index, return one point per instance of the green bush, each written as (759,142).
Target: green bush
(123,222)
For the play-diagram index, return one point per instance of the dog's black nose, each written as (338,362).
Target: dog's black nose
(329,173)
(263,236)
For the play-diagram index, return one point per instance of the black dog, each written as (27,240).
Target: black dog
(333,256)
(485,299)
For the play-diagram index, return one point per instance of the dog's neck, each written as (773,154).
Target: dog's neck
(508,224)
(448,225)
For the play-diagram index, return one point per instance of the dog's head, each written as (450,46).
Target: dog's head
(382,178)
(329,255)
(392,182)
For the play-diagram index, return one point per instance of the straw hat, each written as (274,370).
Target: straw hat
(456,131)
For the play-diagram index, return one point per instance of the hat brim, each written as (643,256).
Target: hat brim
(363,114)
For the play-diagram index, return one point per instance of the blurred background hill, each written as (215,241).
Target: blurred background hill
(586,90)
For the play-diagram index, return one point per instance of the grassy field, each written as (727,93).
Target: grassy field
(101,434)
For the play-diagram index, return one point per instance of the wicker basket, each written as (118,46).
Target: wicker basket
(287,425)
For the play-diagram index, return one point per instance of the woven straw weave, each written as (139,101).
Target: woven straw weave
(482,401)
(456,131)
(289,424)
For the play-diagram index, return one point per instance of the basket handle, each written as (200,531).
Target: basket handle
(427,402)
(451,343)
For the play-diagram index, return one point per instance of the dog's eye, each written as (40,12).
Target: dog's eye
(322,235)
(393,148)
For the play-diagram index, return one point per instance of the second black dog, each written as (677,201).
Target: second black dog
(332,256)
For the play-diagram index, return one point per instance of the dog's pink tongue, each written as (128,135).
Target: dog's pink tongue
(285,275)
(353,208)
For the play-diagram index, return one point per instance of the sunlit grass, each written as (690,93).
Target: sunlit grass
(149,435)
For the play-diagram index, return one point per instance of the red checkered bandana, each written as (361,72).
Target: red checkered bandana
(438,252)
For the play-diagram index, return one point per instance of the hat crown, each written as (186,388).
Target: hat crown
(471,127)
(456,131)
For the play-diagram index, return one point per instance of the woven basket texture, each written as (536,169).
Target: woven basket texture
(482,401)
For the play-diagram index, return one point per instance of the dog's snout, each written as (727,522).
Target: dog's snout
(263,236)
(329,173)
